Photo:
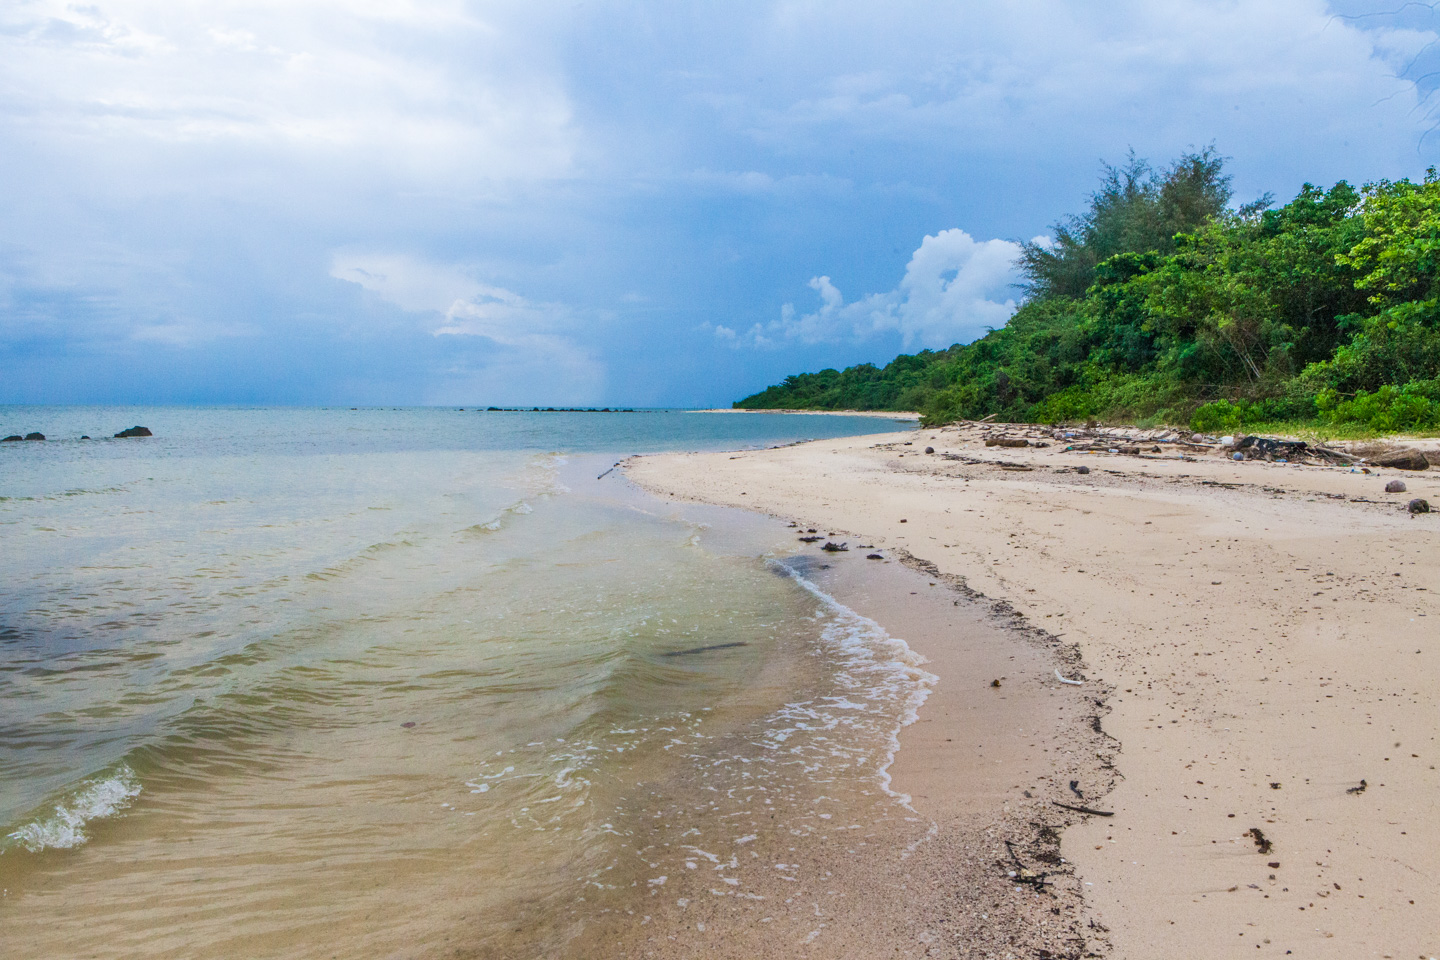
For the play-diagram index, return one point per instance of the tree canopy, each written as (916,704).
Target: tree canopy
(1162,302)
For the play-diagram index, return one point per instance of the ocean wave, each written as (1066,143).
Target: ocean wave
(95,799)
(878,670)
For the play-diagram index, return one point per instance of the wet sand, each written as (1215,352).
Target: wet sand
(950,873)
(1264,632)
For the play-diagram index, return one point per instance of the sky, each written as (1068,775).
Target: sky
(599,203)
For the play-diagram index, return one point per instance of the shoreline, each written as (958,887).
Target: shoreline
(1264,657)
(901,415)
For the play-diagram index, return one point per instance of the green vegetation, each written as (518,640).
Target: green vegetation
(1163,304)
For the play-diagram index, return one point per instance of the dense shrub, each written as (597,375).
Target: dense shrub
(1159,303)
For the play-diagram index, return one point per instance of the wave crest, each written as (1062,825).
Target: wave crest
(95,799)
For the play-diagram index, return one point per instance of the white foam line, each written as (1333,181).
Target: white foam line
(95,799)
(923,681)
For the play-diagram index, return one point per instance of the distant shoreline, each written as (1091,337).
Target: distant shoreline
(881,414)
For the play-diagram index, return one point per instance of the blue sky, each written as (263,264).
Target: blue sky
(438,201)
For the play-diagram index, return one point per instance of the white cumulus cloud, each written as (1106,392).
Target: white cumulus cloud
(955,288)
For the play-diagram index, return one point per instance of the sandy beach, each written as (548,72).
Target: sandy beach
(1257,642)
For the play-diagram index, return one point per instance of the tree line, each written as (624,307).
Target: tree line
(1164,303)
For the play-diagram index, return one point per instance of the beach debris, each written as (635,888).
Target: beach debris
(810,539)
(1262,842)
(408,724)
(794,524)
(1237,456)
(995,683)
(1075,789)
(1006,442)
(1274,785)
(1401,459)
(904,521)
(1395,486)
(1089,810)
(873,556)
(832,547)
(1359,789)
(1022,873)
(1227,441)
(134,432)
(1082,469)
(1271,448)
(705,649)
(1061,678)
(1418,505)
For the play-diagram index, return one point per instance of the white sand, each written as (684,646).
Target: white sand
(1270,642)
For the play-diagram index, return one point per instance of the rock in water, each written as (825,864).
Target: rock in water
(135,432)
(1395,486)
(14,437)
(1418,506)
(1401,460)
(35,436)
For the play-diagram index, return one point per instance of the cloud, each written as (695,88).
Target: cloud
(422,86)
(594,183)
(954,289)
(536,357)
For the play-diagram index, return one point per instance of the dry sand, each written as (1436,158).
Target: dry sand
(1267,638)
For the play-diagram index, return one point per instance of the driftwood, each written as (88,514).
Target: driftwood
(1090,810)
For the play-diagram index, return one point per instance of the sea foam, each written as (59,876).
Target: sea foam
(95,799)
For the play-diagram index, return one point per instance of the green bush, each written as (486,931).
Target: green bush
(1391,408)
(1326,309)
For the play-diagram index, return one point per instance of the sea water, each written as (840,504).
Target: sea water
(411,682)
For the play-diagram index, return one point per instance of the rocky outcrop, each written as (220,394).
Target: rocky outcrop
(135,432)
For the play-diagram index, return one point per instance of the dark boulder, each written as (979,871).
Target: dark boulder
(37,435)
(1082,469)
(1401,460)
(12,438)
(1395,486)
(1418,506)
(929,449)
(135,432)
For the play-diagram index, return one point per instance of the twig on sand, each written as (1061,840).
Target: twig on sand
(1024,874)
(1092,810)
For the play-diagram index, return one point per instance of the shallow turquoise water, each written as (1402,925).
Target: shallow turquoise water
(277,677)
